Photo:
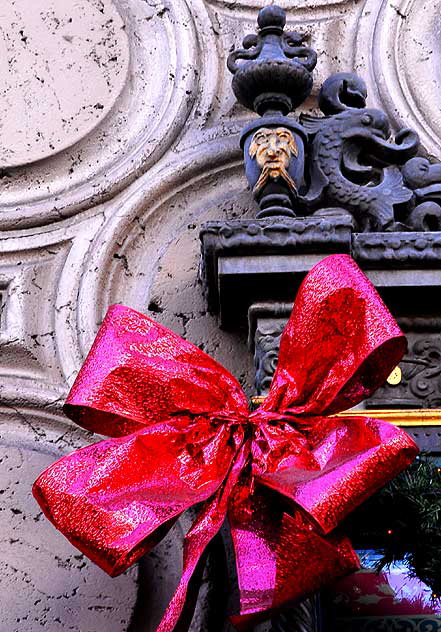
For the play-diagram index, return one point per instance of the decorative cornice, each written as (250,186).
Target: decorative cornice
(405,249)
(277,234)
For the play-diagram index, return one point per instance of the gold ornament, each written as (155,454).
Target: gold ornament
(395,377)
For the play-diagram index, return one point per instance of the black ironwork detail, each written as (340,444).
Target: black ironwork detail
(341,91)
(273,234)
(420,386)
(353,165)
(274,155)
(417,324)
(346,158)
(282,249)
(388,624)
(266,345)
(420,383)
(273,69)
(406,250)
(424,179)
(428,438)
(303,617)
(272,76)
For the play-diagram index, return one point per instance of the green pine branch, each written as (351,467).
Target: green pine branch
(403,521)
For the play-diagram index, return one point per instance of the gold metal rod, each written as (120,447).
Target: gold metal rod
(397,416)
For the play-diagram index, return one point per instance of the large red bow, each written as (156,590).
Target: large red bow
(284,475)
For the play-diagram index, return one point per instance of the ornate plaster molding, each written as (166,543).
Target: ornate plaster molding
(397,52)
(145,119)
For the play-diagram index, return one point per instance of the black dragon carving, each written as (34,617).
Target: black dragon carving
(424,178)
(353,163)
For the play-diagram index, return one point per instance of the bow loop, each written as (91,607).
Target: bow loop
(114,500)
(139,373)
(335,465)
(340,343)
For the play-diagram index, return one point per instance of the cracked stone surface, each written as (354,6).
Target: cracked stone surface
(46,583)
(62,66)
(119,137)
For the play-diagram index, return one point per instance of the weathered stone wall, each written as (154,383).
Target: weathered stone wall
(118,139)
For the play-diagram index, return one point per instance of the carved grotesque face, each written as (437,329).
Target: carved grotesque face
(273,148)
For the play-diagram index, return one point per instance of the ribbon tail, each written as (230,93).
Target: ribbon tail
(255,524)
(281,558)
(205,527)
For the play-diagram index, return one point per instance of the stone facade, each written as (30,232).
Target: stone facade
(119,139)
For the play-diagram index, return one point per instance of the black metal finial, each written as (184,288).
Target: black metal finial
(272,17)
(272,72)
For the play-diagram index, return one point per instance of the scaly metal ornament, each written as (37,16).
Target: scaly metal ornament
(345,160)
(339,175)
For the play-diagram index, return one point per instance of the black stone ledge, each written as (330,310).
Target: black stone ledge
(245,261)
(251,261)
(404,250)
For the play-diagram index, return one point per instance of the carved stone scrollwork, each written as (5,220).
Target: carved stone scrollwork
(388,624)
(102,93)
(267,342)
(417,384)
(420,384)
(424,179)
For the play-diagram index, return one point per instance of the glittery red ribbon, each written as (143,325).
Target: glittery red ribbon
(284,476)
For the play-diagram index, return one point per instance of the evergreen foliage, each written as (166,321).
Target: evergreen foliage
(403,521)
